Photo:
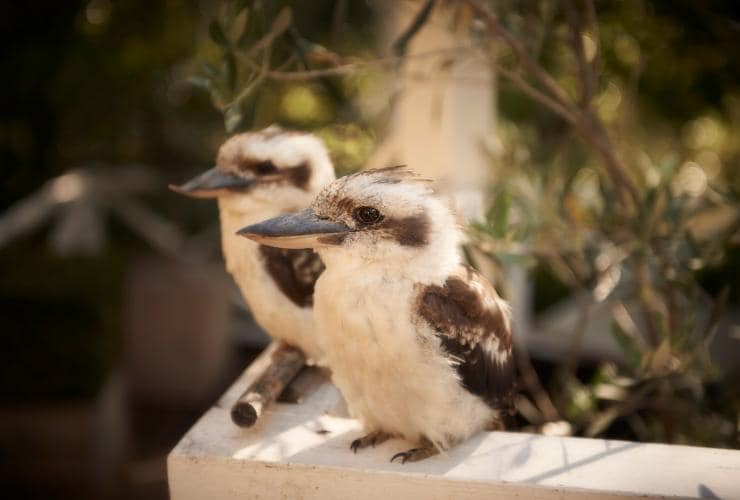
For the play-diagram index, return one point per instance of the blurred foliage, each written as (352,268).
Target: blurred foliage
(667,93)
(257,70)
(87,83)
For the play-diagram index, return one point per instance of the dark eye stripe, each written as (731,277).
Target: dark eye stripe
(258,167)
(265,167)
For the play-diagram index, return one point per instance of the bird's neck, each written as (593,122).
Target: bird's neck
(239,252)
(431,264)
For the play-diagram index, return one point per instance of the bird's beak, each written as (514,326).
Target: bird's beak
(212,183)
(300,230)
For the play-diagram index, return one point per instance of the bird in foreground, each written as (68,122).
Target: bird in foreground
(418,343)
(259,175)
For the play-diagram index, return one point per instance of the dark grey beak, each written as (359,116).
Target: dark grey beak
(300,230)
(212,183)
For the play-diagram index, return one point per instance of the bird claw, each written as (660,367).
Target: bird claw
(371,439)
(403,454)
(415,454)
(355,445)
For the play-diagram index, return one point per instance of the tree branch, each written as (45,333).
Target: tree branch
(594,24)
(550,103)
(576,40)
(532,382)
(585,120)
(529,64)
(345,69)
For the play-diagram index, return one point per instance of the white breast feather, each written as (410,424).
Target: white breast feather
(390,370)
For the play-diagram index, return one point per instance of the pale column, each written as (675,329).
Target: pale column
(443,112)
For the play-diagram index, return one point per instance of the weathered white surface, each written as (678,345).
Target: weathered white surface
(302,451)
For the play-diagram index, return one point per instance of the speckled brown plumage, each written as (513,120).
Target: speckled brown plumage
(472,324)
(294,272)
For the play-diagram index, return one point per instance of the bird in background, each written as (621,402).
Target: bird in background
(259,175)
(419,344)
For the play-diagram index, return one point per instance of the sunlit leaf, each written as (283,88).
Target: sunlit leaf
(200,82)
(282,21)
(232,119)
(217,96)
(660,358)
(602,421)
(239,26)
(232,10)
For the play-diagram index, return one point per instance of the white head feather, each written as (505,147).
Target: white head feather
(286,150)
(416,228)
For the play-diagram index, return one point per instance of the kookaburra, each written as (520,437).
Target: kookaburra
(259,175)
(419,344)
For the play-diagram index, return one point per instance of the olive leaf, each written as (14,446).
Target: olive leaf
(217,33)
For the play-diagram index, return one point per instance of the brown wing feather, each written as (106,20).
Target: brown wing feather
(472,322)
(294,272)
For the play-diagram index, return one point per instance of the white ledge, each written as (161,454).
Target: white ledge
(302,451)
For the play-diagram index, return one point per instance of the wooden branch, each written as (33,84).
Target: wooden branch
(421,18)
(280,25)
(360,65)
(593,130)
(588,86)
(644,293)
(253,84)
(532,382)
(276,367)
(519,82)
(593,22)
(529,64)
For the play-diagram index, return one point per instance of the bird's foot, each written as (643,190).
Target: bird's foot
(415,454)
(375,437)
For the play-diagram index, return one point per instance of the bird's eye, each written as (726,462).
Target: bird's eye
(367,215)
(265,167)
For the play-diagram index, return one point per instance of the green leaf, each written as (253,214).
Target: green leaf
(602,420)
(230,70)
(660,358)
(238,27)
(514,259)
(498,215)
(631,350)
(282,21)
(667,169)
(232,11)
(217,33)
(232,119)
(201,82)
(483,227)
(209,69)
(468,255)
